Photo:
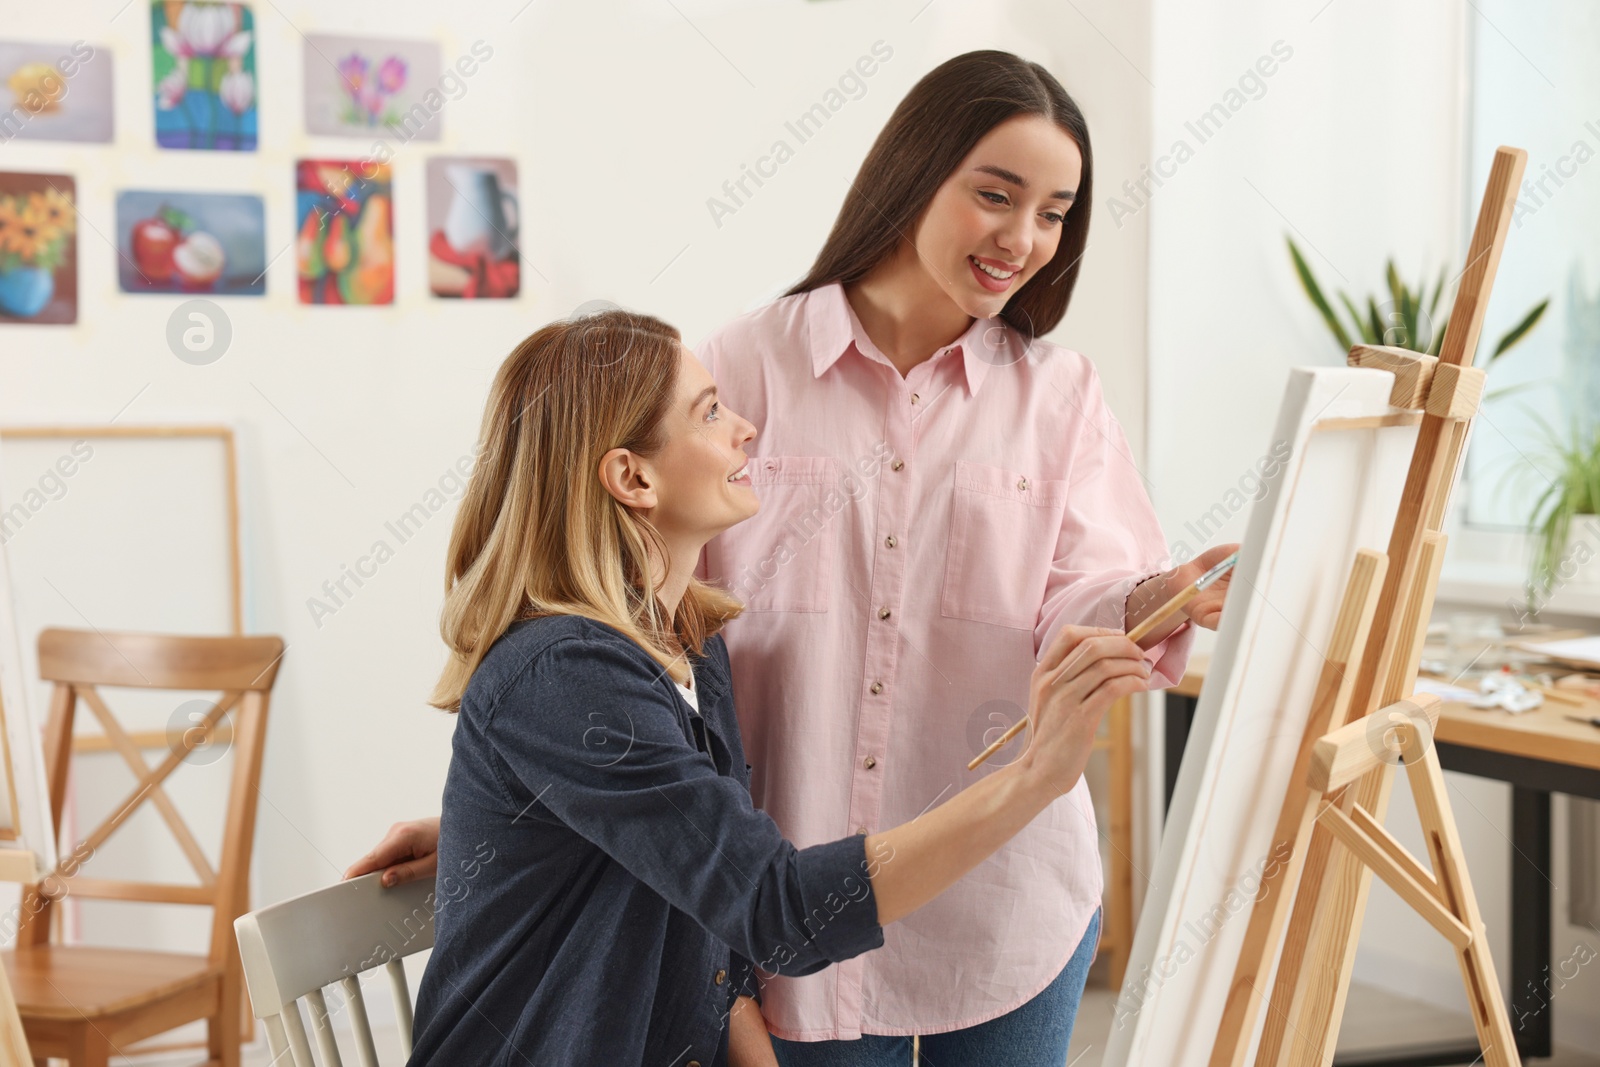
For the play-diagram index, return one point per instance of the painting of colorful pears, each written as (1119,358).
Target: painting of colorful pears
(344,248)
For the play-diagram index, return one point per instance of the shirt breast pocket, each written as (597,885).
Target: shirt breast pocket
(781,558)
(1004,526)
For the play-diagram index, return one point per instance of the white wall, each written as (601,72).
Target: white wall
(625,117)
(1355,147)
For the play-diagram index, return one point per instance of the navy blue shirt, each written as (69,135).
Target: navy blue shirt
(605,883)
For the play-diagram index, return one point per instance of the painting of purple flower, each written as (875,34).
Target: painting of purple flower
(370,99)
(353,69)
(361,86)
(392,75)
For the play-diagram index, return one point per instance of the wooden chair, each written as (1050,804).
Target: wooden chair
(329,938)
(86,1004)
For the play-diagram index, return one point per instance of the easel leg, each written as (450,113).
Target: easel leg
(1450,867)
(1308,998)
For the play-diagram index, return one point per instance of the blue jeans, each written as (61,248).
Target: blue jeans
(1034,1035)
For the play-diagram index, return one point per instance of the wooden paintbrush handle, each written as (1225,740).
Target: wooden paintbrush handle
(1162,614)
(1005,738)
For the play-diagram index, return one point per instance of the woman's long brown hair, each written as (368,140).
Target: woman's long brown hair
(941,119)
(537,533)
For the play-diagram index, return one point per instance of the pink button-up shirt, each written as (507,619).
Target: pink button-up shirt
(920,541)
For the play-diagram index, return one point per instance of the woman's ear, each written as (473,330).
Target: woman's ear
(626,478)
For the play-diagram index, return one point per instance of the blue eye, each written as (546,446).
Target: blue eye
(715,404)
(993,198)
(1055,220)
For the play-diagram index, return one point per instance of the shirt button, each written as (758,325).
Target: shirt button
(1022,483)
(890,542)
(899,464)
(883,613)
(877,687)
(915,398)
(721,977)
(862,830)
(870,762)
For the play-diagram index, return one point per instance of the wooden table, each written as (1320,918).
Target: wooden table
(1537,753)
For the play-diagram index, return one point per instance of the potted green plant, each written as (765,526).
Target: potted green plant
(1564,522)
(1566,529)
(1406,320)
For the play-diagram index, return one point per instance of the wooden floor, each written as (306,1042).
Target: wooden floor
(1374,1019)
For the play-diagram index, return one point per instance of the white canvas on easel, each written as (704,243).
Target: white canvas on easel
(1337,493)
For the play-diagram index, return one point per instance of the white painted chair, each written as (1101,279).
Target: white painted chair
(328,938)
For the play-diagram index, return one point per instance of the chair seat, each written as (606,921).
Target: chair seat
(74,982)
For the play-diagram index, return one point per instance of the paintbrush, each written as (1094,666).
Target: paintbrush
(1137,634)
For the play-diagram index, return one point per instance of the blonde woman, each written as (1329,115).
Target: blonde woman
(606,889)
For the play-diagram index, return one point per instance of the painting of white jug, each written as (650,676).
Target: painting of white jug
(473,219)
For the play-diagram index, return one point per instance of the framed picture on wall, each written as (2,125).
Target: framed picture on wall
(38,248)
(344,248)
(55,92)
(370,86)
(473,219)
(184,242)
(203,61)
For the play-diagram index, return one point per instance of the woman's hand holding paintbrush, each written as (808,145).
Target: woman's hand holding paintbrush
(1085,671)
(1203,609)
(1096,662)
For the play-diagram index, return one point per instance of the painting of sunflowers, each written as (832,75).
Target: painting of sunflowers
(204,66)
(344,245)
(38,249)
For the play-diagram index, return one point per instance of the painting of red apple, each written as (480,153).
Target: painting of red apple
(183,242)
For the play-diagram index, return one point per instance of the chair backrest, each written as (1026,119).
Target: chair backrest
(328,938)
(244,669)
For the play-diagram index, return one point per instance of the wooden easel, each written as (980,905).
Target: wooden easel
(1364,718)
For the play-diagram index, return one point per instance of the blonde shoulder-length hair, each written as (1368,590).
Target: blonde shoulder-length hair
(537,533)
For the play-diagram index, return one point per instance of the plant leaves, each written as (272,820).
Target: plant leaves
(1520,330)
(1355,316)
(1308,282)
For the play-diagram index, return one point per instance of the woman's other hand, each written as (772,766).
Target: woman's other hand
(1206,608)
(407,853)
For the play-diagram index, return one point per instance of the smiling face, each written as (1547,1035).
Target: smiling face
(700,478)
(996,221)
